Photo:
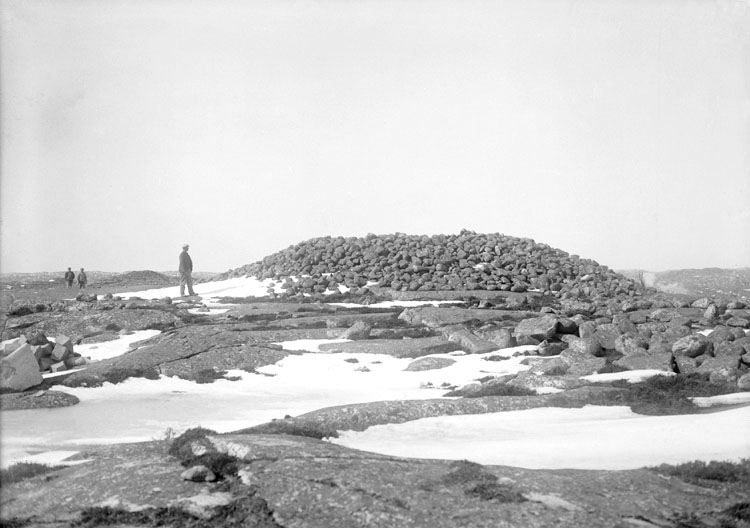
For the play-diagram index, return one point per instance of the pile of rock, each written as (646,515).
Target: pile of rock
(25,358)
(467,261)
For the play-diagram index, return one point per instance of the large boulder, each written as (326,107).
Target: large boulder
(586,328)
(719,364)
(500,337)
(539,328)
(624,324)
(359,330)
(720,334)
(607,335)
(685,365)
(581,363)
(739,322)
(571,307)
(567,325)
(693,345)
(646,361)
(628,344)
(469,342)
(19,370)
(586,345)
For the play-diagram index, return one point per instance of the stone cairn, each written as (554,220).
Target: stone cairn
(25,358)
(467,261)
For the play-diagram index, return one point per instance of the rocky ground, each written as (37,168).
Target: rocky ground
(284,473)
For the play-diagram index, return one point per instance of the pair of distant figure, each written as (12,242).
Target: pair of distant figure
(186,271)
(70,276)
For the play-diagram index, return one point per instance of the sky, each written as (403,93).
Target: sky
(618,130)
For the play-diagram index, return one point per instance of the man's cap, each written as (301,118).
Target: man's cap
(185,246)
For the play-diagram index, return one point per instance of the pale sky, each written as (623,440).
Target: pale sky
(616,129)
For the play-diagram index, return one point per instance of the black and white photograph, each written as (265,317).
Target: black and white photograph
(375,263)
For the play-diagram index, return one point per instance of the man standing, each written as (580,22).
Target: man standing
(82,279)
(186,271)
(69,277)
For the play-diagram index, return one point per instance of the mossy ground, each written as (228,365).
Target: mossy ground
(23,471)
(475,482)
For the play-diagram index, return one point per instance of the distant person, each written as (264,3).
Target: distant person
(186,271)
(82,279)
(70,277)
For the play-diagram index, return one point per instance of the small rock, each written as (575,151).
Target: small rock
(429,363)
(198,474)
(36,337)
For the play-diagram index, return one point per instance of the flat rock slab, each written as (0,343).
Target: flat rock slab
(341,320)
(435,317)
(40,399)
(183,352)
(78,325)
(393,347)
(302,482)
(360,416)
